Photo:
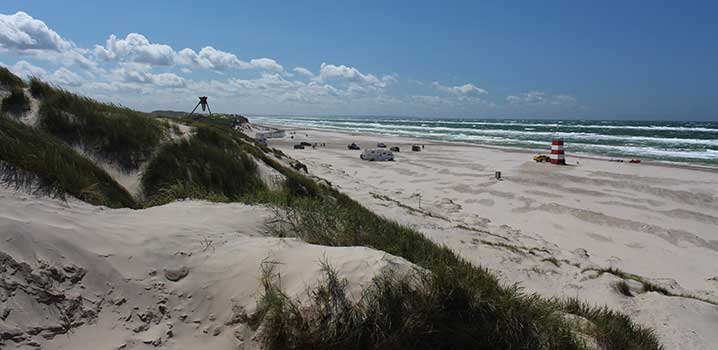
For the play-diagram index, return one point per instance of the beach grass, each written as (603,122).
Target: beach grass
(469,308)
(10,81)
(474,303)
(623,288)
(16,102)
(647,285)
(210,165)
(113,133)
(35,161)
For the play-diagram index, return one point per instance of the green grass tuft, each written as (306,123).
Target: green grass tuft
(623,288)
(113,133)
(475,304)
(210,165)
(10,81)
(553,260)
(418,310)
(35,161)
(16,102)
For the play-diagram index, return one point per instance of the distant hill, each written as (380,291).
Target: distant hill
(177,114)
(169,114)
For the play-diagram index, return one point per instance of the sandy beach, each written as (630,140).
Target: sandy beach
(549,228)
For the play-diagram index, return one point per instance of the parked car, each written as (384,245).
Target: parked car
(353,146)
(305,143)
(381,145)
(299,146)
(394,149)
(260,140)
(377,154)
(540,158)
(416,148)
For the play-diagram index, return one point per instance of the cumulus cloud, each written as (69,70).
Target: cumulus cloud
(24,35)
(211,58)
(65,77)
(303,71)
(267,64)
(136,48)
(22,32)
(461,90)
(330,72)
(26,69)
(62,76)
(141,74)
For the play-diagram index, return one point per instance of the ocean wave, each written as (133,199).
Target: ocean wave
(525,134)
(564,124)
(650,146)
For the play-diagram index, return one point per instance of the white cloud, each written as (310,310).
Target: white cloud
(563,99)
(303,71)
(535,97)
(461,90)
(141,74)
(26,69)
(136,48)
(267,64)
(430,100)
(65,77)
(22,32)
(24,35)
(330,72)
(211,58)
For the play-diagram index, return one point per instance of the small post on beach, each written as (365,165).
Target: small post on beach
(417,195)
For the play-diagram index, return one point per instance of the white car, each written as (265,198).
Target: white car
(380,154)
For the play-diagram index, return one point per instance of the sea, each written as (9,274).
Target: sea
(673,141)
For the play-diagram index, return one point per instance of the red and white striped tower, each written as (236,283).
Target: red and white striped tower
(557,156)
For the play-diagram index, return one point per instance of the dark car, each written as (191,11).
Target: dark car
(381,145)
(304,143)
(300,146)
(353,146)
(416,148)
(394,149)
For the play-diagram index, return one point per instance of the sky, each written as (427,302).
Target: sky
(467,59)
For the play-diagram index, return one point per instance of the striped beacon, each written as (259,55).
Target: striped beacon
(557,156)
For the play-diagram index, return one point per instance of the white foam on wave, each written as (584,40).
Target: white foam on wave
(526,138)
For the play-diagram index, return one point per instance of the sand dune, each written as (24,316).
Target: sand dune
(547,226)
(179,276)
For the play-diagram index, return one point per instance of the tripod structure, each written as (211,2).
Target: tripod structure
(205,105)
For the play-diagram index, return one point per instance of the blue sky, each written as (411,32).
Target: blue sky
(567,59)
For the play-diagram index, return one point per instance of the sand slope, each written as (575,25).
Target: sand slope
(655,221)
(74,276)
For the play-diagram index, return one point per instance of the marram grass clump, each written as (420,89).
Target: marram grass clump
(416,310)
(36,162)
(16,103)
(116,134)
(210,165)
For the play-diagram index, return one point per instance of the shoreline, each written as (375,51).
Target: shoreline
(587,156)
